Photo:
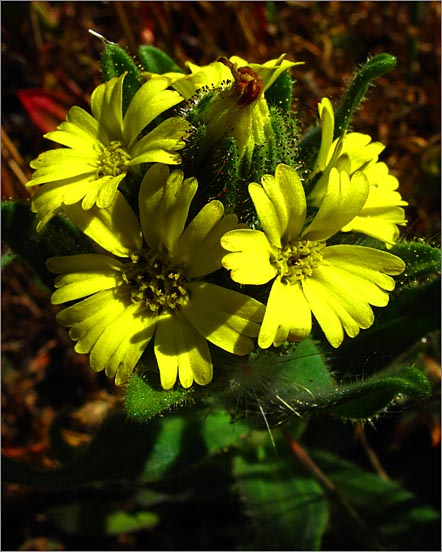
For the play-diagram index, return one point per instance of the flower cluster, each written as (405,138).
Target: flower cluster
(169,258)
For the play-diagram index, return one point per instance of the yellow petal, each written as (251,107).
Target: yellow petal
(287,195)
(343,200)
(164,201)
(250,261)
(93,273)
(355,294)
(89,318)
(179,349)
(115,228)
(161,143)
(49,200)
(86,262)
(287,316)
(267,212)
(327,118)
(119,347)
(199,246)
(149,101)
(225,317)
(72,136)
(249,268)
(107,191)
(379,227)
(366,262)
(62,164)
(327,315)
(84,123)
(106,106)
(360,150)
(272,69)
(355,290)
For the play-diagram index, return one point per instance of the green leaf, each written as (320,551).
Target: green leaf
(305,384)
(422,259)
(400,521)
(286,506)
(155,60)
(299,382)
(114,62)
(219,431)
(166,449)
(188,438)
(306,368)
(287,384)
(143,400)
(94,518)
(58,237)
(281,92)
(364,399)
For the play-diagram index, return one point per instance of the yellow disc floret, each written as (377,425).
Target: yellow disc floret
(296,261)
(155,281)
(113,160)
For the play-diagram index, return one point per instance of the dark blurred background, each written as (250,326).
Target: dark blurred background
(50,62)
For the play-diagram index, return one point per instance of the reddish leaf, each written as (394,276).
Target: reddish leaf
(44,107)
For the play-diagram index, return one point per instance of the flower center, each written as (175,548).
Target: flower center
(155,281)
(113,160)
(296,261)
(248,84)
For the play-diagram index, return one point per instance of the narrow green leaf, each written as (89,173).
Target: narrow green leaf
(364,399)
(371,70)
(155,60)
(114,62)
(287,507)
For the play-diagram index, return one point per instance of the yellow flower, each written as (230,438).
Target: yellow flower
(383,211)
(239,108)
(218,74)
(104,146)
(152,284)
(336,283)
